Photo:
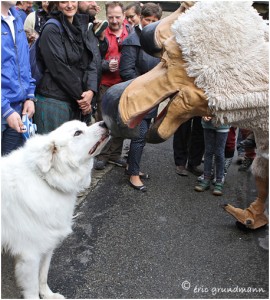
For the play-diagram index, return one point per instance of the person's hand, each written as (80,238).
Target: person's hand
(113,64)
(28,108)
(98,9)
(15,122)
(85,102)
(206,119)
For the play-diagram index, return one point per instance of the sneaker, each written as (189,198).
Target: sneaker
(218,189)
(100,28)
(181,170)
(200,178)
(203,186)
(245,164)
(121,162)
(214,180)
(194,170)
(100,165)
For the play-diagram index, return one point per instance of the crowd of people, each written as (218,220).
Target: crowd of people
(83,58)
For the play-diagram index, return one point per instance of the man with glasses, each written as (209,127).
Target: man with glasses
(115,33)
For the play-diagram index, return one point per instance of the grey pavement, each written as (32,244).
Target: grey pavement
(168,243)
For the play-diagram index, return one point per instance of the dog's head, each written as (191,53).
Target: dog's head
(66,154)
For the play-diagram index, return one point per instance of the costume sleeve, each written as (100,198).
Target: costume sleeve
(54,55)
(127,67)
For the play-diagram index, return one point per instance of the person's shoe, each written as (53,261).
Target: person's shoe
(200,178)
(100,165)
(203,186)
(240,158)
(194,170)
(121,162)
(100,28)
(248,144)
(141,188)
(218,189)
(245,164)
(181,170)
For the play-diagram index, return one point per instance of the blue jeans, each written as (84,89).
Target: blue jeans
(214,145)
(136,149)
(10,138)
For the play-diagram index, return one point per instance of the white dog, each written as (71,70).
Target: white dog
(40,182)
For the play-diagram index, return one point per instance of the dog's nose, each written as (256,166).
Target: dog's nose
(103,124)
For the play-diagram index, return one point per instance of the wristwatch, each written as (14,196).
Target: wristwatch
(32,99)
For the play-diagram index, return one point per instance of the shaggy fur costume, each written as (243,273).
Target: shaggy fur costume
(228,59)
(232,69)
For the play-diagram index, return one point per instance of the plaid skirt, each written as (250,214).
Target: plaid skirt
(51,113)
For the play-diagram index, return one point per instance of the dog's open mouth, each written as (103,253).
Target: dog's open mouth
(104,138)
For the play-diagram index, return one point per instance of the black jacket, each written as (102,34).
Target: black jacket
(134,60)
(71,62)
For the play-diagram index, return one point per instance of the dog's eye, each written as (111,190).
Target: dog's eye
(78,132)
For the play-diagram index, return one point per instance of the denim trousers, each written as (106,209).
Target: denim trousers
(10,138)
(214,145)
(136,148)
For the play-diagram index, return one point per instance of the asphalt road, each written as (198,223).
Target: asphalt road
(170,242)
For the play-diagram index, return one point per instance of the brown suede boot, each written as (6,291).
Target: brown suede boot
(252,217)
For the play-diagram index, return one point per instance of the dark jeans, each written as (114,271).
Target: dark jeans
(214,145)
(10,138)
(188,143)
(136,149)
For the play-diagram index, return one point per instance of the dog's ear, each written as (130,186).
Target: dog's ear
(46,157)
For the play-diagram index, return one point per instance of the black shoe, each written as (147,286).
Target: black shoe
(141,188)
(194,170)
(248,144)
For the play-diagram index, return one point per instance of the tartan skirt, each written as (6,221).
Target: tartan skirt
(51,113)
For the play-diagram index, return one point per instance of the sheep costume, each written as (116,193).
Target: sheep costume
(214,62)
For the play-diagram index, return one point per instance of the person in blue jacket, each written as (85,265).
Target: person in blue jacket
(135,62)
(18,86)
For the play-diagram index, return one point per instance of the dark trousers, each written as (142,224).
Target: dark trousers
(136,149)
(113,149)
(188,143)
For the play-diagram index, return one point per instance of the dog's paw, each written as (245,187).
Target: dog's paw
(53,296)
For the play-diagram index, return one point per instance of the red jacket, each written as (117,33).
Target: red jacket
(114,50)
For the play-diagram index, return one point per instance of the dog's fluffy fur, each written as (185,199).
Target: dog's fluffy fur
(40,182)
